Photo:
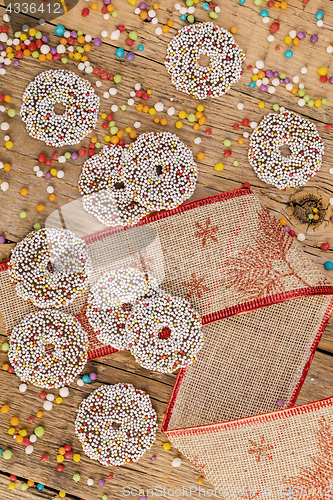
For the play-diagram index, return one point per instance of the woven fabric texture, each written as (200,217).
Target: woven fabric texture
(289,452)
(249,363)
(228,253)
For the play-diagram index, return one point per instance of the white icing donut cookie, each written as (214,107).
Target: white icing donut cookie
(116,424)
(97,171)
(110,300)
(102,190)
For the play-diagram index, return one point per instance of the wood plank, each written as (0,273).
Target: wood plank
(31,493)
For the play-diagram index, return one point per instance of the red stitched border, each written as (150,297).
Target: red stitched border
(172,400)
(191,431)
(258,419)
(100,352)
(253,305)
(168,213)
(4,265)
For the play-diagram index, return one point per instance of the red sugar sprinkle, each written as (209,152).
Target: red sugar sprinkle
(274,27)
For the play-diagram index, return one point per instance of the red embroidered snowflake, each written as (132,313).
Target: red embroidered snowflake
(314,482)
(196,286)
(143,262)
(261,268)
(206,232)
(198,466)
(261,449)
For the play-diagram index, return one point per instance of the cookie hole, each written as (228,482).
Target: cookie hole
(164,333)
(126,307)
(59,108)
(119,185)
(285,151)
(115,425)
(55,267)
(49,348)
(158,169)
(204,60)
(50,267)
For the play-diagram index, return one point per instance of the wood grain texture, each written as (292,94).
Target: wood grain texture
(148,69)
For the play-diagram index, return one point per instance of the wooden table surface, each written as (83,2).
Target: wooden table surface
(148,70)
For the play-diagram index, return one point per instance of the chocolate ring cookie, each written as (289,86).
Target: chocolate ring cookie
(109,324)
(50,267)
(97,171)
(78,97)
(110,302)
(48,349)
(183,60)
(158,171)
(291,130)
(164,333)
(102,190)
(116,424)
